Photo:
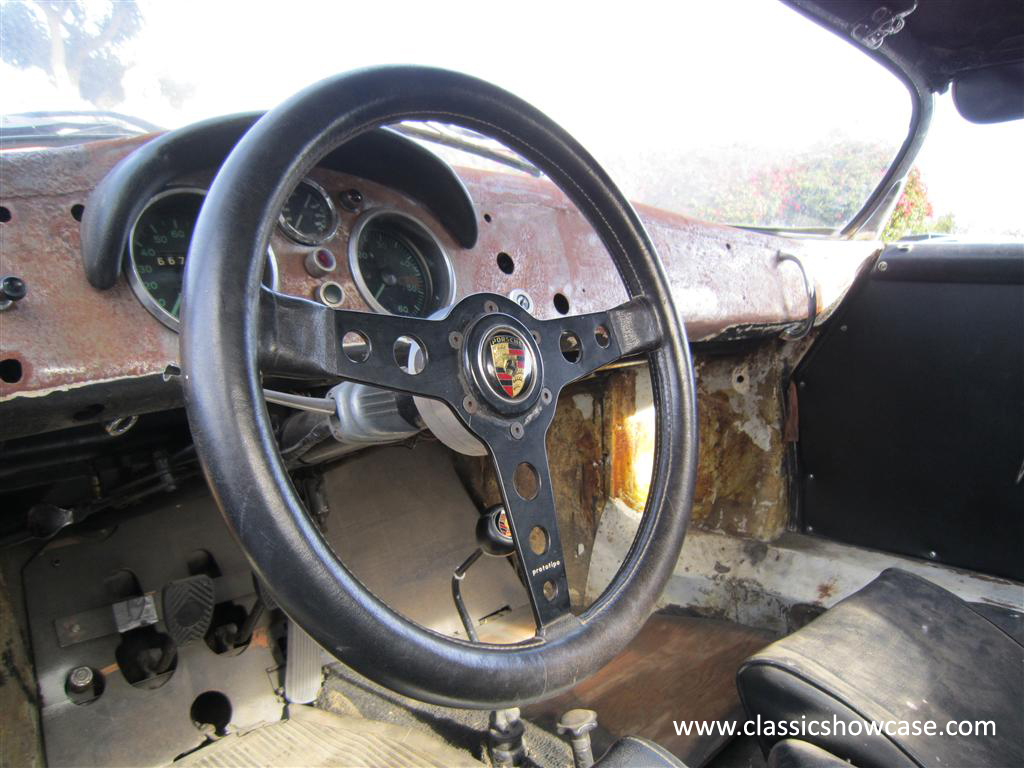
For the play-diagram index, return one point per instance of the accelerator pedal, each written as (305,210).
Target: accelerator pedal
(304,672)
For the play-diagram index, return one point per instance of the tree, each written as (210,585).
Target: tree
(77,49)
(913,212)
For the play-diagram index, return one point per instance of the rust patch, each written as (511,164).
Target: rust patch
(740,488)
(826,590)
(260,638)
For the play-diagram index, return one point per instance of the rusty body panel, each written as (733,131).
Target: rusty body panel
(67,335)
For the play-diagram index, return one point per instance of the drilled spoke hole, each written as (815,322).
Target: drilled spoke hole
(356,346)
(550,590)
(571,346)
(410,354)
(601,336)
(538,540)
(526,481)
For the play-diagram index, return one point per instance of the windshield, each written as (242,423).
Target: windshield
(742,112)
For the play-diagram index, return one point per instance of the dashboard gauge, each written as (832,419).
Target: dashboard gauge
(157,248)
(309,217)
(399,266)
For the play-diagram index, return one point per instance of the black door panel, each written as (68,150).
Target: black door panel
(911,410)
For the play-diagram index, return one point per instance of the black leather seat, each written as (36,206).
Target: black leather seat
(633,752)
(901,649)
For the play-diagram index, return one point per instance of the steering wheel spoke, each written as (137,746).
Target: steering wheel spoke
(577,345)
(525,483)
(303,339)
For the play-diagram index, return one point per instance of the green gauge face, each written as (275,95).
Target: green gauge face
(308,215)
(394,271)
(159,244)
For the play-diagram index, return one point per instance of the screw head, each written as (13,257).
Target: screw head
(469,404)
(545,395)
(882,266)
(351,199)
(455,339)
(80,679)
(490,306)
(516,430)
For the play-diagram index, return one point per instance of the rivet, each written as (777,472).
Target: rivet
(517,430)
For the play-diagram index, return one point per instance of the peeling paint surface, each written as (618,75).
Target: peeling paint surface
(65,333)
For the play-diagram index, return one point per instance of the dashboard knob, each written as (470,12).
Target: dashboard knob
(12,289)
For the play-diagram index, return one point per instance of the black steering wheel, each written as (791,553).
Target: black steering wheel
(499,369)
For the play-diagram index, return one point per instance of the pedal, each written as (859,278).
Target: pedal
(304,672)
(188,608)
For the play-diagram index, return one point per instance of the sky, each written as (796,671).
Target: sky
(634,82)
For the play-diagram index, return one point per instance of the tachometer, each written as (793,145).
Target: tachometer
(309,217)
(157,249)
(398,266)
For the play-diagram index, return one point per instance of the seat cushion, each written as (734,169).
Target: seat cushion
(632,752)
(901,649)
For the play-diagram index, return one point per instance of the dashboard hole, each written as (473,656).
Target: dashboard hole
(487,218)
(538,540)
(571,346)
(561,304)
(526,481)
(505,263)
(76,211)
(331,294)
(10,370)
(356,346)
(5,214)
(410,354)
(601,336)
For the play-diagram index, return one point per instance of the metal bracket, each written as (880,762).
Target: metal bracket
(882,23)
(812,300)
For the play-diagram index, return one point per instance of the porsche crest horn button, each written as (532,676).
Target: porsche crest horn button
(508,364)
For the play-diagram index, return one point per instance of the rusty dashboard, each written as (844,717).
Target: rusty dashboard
(71,353)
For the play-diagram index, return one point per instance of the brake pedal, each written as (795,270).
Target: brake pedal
(188,608)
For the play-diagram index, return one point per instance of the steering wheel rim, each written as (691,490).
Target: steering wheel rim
(224,344)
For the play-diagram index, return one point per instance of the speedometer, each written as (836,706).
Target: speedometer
(399,266)
(157,248)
